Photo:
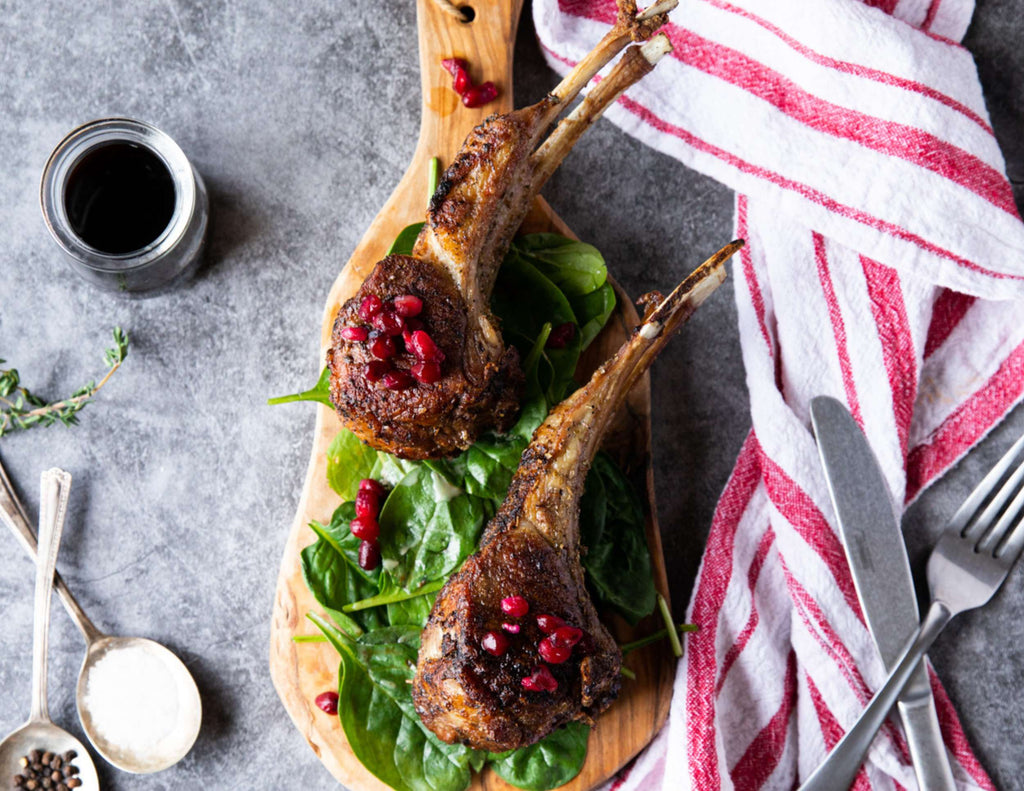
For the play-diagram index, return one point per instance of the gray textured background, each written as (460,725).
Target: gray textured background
(302,117)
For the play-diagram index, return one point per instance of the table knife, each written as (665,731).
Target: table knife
(878,560)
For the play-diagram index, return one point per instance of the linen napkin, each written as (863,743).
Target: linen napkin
(884,266)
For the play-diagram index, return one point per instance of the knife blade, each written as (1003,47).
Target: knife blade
(878,561)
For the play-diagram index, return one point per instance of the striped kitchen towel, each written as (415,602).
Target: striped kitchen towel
(885,267)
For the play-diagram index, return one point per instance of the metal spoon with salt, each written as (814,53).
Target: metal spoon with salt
(148,665)
(39,733)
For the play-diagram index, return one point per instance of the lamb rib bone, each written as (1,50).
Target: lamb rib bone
(531,548)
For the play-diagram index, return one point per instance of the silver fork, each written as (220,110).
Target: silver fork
(966,568)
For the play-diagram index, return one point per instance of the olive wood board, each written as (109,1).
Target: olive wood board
(301,671)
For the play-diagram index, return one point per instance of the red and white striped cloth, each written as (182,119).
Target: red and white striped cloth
(884,266)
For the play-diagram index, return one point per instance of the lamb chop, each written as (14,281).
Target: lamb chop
(513,647)
(418,364)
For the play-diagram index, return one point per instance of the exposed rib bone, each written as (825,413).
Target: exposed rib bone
(637,62)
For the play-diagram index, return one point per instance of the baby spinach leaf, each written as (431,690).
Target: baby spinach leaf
(349,460)
(320,392)
(617,560)
(593,311)
(553,761)
(405,240)
(428,527)
(334,583)
(576,268)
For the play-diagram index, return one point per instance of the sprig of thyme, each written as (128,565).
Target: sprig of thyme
(22,409)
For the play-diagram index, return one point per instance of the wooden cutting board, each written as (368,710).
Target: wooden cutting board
(301,671)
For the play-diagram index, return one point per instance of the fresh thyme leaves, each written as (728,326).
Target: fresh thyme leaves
(20,408)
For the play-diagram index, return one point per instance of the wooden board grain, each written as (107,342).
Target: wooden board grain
(301,671)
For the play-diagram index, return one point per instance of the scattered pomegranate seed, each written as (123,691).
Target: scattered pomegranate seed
(371,485)
(408,306)
(355,333)
(426,373)
(553,652)
(328,701)
(452,65)
(566,636)
(561,335)
(383,347)
(411,325)
(367,504)
(460,73)
(397,380)
(423,346)
(375,370)
(511,628)
(365,527)
(479,95)
(369,555)
(388,322)
(540,680)
(516,606)
(370,307)
(494,643)
(548,623)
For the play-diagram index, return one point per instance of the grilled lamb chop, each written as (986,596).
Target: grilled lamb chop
(434,401)
(476,682)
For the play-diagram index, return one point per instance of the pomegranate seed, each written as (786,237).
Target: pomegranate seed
(371,485)
(411,325)
(479,95)
(369,555)
(548,623)
(452,65)
(426,373)
(540,680)
(388,322)
(494,643)
(328,701)
(370,307)
(511,628)
(561,335)
(383,347)
(552,652)
(566,636)
(355,334)
(367,504)
(375,370)
(424,348)
(408,306)
(461,83)
(397,380)
(365,527)
(516,606)
(459,70)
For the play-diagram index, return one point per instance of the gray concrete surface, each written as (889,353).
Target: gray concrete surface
(301,117)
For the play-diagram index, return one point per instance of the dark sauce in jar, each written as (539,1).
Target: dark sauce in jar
(119,197)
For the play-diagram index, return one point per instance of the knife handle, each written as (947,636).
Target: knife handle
(927,750)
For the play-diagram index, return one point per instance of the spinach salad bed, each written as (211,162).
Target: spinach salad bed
(432,520)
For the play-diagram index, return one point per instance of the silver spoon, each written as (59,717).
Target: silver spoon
(156,666)
(39,733)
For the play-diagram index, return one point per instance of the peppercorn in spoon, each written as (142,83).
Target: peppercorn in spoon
(137,702)
(39,736)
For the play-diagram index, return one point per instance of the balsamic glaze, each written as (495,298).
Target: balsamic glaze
(119,197)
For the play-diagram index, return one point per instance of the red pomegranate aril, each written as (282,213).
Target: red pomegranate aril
(375,370)
(479,95)
(366,528)
(561,335)
(511,628)
(453,65)
(461,82)
(548,623)
(375,486)
(328,702)
(494,643)
(369,555)
(387,322)
(367,504)
(566,636)
(356,334)
(516,606)
(397,380)
(552,652)
(370,307)
(426,373)
(408,306)
(424,348)
(540,680)
(383,347)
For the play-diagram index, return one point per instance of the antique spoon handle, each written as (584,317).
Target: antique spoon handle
(53,508)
